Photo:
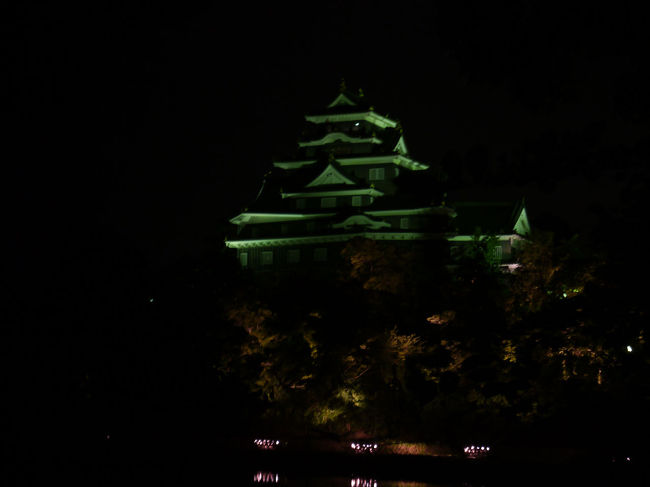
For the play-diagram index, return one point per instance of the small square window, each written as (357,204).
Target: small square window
(376,174)
(267,257)
(311,226)
(284,228)
(300,203)
(404,222)
(356,201)
(328,202)
(320,254)
(243,259)
(497,253)
(293,256)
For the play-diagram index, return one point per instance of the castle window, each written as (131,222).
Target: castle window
(404,222)
(293,256)
(311,226)
(300,203)
(356,201)
(320,254)
(327,202)
(284,228)
(497,253)
(243,259)
(376,174)
(267,257)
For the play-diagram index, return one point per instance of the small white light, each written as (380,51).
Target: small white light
(375,446)
(356,124)
(277,442)
(629,348)
(353,445)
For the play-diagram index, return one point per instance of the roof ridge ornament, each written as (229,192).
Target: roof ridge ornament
(342,86)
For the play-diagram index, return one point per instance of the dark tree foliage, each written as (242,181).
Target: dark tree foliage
(397,344)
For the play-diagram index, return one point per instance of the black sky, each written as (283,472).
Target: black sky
(144,128)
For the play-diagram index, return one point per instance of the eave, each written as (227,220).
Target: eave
(293,164)
(339,137)
(371,117)
(429,210)
(342,237)
(334,192)
(252,218)
(396,159)
(500,237)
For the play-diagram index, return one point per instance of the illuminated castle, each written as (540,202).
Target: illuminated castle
(352,176)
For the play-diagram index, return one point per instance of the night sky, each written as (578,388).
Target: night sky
(133,132)
(136,132)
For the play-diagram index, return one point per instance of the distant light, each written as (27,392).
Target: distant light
(629,348)
(476,451)
(356,124)
(151,300)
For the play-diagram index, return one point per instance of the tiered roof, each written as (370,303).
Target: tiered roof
(338,151)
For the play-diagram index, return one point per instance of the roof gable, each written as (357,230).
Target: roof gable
(522,226)
(497,218)
(401,146)
(329,176)
(361,221)
(341,100)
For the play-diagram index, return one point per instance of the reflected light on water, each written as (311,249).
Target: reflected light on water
(359,482)
(364,447)
(266,444)
(474,451)
(266,478)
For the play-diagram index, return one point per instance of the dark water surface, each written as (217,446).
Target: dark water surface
(187,464)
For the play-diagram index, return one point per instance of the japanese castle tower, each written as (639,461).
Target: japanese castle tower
(348,179)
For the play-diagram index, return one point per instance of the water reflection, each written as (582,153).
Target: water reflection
(359,482)
(263,477)
(266,478)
